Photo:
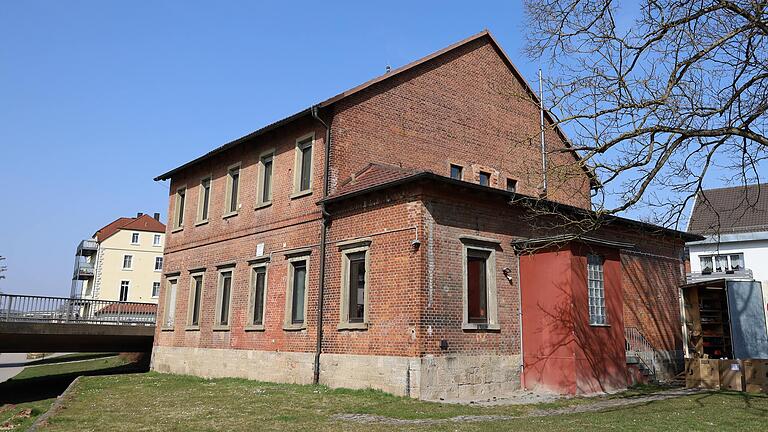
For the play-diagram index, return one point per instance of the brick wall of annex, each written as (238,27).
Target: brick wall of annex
(391,222)
(465,108)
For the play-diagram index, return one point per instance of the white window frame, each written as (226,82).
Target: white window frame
(255,267)
(157,240)
(169,303)
(130,262)
(260,202)
(155,293)
(201,206)
(191,301)
(729,260)
(288,323)
(347,249)
(598,312)
(217,324)
(127,285)
(487,247)
(230,182)
(179,208)
(303,142)
(137,237)
(161,263)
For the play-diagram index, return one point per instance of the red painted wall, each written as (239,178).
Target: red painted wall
(562,352)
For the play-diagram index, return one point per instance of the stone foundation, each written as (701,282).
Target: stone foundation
(448,377)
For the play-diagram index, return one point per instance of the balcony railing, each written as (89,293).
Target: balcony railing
(22,308)
(84,270)
(87,247)
(745,274)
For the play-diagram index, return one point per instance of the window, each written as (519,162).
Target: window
(296,297)
(511,185)
(354,285)
(204,201)
(302,181)
(596,286)
(479,284)
(124,290)
(223,298)
(155,289)
(456,172)
(170,304)
(258,295)
(158,263)
(178,219)
(264,189)
(195,299)
(156,240)
(127,262)
(233,184)
(135,238)
(485,178)
(477,287)
(722,263)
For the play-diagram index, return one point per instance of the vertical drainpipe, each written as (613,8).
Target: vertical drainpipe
(323,234)
(520,319)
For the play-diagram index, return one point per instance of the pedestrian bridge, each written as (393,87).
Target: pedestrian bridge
(62,324)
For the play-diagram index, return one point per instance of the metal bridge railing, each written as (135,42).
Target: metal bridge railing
(65,310)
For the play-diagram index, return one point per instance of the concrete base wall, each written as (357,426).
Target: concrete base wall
(454,377)
(272,366)
(465,377)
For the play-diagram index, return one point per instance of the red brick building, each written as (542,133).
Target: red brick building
(385,238)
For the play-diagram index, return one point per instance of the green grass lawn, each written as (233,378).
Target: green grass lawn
(159,402)
(33,390)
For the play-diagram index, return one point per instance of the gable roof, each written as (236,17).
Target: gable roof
(395,72)
(730,210)
(376,177)
(144,222)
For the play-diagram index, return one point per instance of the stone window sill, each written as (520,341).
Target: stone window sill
(352,326)
(220,328)
(229,214)
(263,205)
(480,327)
(599,325)
(254,327)
(192,328)
(301,194)
(177,229)
(294,327)
(202,222)
(166,329)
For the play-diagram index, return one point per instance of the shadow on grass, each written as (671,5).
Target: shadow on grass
(15,391)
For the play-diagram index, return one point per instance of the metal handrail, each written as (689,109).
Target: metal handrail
(636,343)
(66,310)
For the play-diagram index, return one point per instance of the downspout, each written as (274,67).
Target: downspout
(323,235)
(520,319)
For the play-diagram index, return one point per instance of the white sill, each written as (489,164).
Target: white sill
(202,222)
(127,269)
(301,194)
(177,229)
(192,328)
(220,328)
(480,327)
(294,327)
(254,327)
(599,325)
(166,329)
(229,214)
(135,244)
(263,205)
(352,326)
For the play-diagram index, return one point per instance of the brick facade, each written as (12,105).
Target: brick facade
(464,106)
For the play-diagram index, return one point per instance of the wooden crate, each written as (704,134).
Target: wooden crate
(731,375)
(755,375)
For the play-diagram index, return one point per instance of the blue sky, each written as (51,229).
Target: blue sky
(97,98)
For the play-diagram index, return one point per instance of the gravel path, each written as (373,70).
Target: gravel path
(592,407)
